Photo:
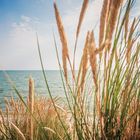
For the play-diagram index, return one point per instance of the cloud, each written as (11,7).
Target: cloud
(20,48)
(25,18)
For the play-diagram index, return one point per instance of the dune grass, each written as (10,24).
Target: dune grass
(103,101)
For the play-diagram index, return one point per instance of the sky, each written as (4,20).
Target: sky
(21,19)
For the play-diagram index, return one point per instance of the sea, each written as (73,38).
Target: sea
(21,79)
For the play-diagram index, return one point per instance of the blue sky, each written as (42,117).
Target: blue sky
(20,19)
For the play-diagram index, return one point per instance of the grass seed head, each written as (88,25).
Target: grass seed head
(84,62)
(92,57)
(115,6)
(65,54)
(82,14)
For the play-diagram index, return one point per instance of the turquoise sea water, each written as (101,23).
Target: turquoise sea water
(20,78)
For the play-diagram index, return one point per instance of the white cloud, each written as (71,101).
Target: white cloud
(25,18)
(21,41)
(19,49)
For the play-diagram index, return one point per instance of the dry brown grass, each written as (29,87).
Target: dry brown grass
(81,17)
(19,123)
(65,54)
(115,6)
(84,62)
(103,21)
(93,59)
(31,107)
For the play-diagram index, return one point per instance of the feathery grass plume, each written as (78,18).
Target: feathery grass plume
(12,102)
(7,114)
(130,41)
(84,62)
(22,137)
(65,54)
(92,57)
(103,21)
(31,106)
(115,6)
(81,17)
(129,48)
